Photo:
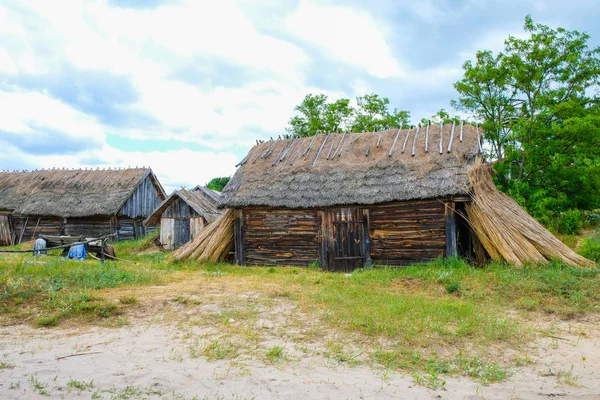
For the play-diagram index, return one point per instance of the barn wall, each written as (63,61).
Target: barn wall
(88,226)
(405,232)
(130,228)
(286,237)
(5,230)
(179,209)
(31,228)
(143,201)
(167,226)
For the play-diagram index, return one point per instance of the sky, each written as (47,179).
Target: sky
(188,86)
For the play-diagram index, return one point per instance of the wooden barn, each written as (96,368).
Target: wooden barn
(183,215)
(76,202)
(349,200)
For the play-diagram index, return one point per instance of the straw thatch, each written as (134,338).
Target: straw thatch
(506,231)
(71,193)
(202,200)
(357,168)
(213,244)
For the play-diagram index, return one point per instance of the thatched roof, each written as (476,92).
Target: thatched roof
(216,196)
(71,193)
(318,171)
(200,199)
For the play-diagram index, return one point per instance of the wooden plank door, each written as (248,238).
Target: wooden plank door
(344,239)
(181,232)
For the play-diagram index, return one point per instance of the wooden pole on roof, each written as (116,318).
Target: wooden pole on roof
(340,144)
(379,141)
(243,161)
(394,143)
(320,149)
(415,140)
(427,137)
(441,132)
(451,138)
(330,150)
(406,140)
(310,145)
(461,129)
(295,157)
(280,153)
(478,138)
(288,149)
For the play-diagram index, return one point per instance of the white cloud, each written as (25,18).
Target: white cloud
(346,35)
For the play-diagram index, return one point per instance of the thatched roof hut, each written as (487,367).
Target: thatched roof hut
(183,215)
(352,199)
(78,201)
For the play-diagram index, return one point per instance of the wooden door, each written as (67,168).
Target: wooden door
(6,234)
(181,232)
(344,239)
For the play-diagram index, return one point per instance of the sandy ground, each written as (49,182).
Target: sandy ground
(157,355)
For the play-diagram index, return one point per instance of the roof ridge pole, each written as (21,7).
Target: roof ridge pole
(478,138)
(441,137)
(427,137)
(451,137)
(320,149)
(461,129)
(310,145)
(243,161)
(415,140)
(394,143)
(406,140)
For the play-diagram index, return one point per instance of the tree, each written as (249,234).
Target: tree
(372,114)
(485,91)
(218,183)
(315,114)
(441,117)
(538,103)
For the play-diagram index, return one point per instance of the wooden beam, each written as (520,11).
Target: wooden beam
(320,149)
(378,141)
(478,138)
(414,150)
(427,138)
(340,144)
(367,239)
(451,250)
(461,130)
(451,138)
(310,145)
(406,140)
(239,237)
(441,137)
(394,143)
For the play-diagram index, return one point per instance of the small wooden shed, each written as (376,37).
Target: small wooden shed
(348,200)
(183,215)
(76,202)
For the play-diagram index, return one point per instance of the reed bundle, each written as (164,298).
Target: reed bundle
(506,231)
(213,244)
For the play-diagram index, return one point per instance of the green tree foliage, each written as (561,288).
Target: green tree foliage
(441,117)
(538,103)
(218,183)
(316,114)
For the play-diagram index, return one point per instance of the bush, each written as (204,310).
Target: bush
(590,248)
(592,219)
(570,222)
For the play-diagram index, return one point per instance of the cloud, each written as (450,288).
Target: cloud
(347,35)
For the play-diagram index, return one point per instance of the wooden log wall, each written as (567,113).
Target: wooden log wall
(405,232)
(88,226)
(280,237)
(32,226)
(6,232)
(143,201)
(130,228)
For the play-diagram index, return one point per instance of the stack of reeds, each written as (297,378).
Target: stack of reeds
(506,231)
(214,242)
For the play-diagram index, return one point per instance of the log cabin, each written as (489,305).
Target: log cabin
(77,202)
(183,215)
(346,201)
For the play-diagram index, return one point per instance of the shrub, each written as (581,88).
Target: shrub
(570,222)
(590,248)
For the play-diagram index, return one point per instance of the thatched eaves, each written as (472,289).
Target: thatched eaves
(71,193)
(357,168)
(201,200)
